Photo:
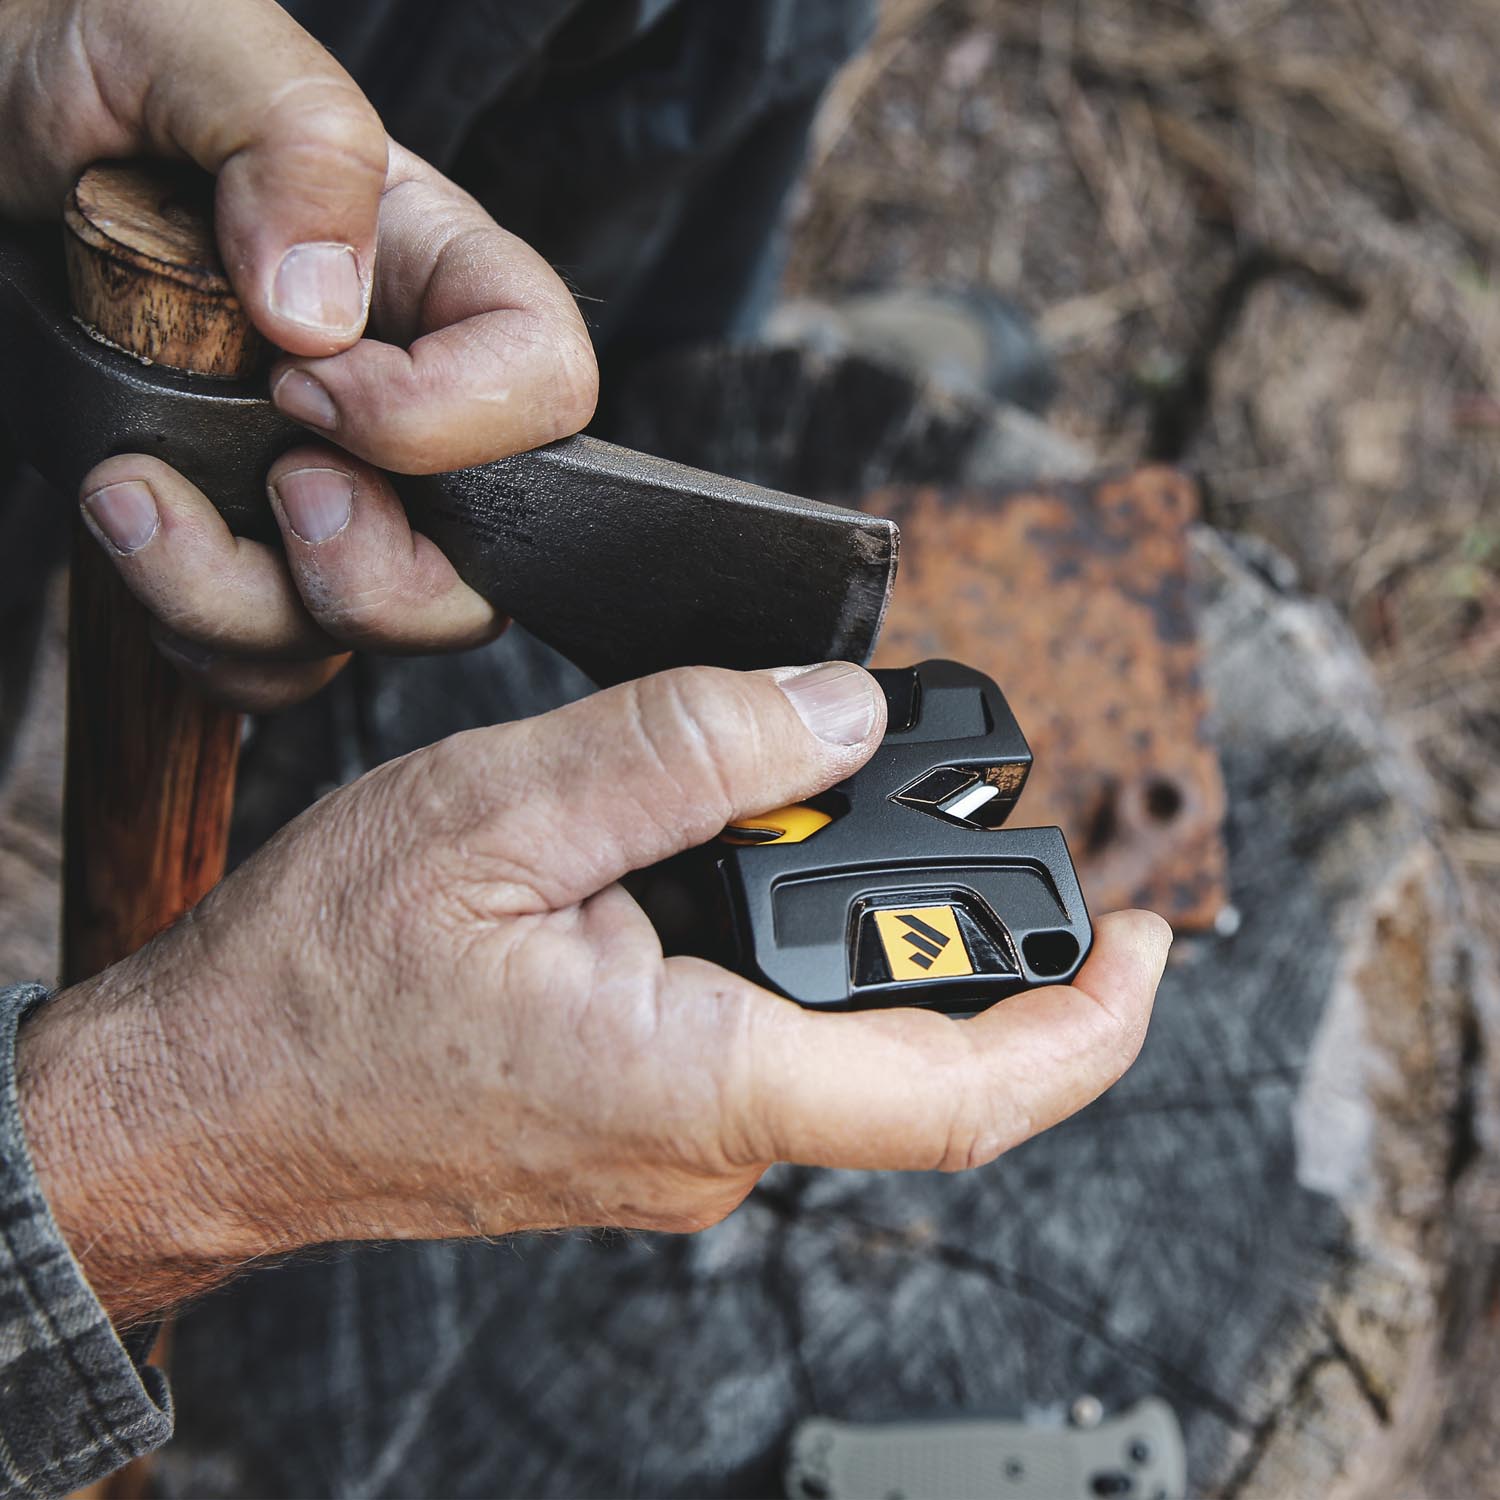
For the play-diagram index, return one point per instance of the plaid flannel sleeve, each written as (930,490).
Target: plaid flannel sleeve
(75,1404)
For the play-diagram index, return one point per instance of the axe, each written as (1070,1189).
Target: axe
(624,563)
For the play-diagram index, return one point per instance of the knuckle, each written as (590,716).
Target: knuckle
(976,1132)
(435,798)
(365,615)
(378,896)
(410,608)
(332,119)
(190,604)
(672,781)
(568,374)
(398,821)
(359,623)
(552,344)
(389,414)
(402,444)
(693,729)
(425,793)
(577,381)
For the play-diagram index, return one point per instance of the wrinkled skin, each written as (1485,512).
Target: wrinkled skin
(428,1009)
(425,337)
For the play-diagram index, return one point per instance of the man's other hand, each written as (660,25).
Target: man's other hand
(428,1009)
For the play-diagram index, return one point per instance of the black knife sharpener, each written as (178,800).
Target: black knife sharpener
(901,885)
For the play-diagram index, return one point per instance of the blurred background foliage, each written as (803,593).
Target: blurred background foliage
(1260,238)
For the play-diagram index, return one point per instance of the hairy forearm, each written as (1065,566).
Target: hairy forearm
(133,1165)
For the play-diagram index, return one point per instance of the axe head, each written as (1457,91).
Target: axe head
(624,563)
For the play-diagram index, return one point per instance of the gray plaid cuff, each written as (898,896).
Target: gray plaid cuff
(74,1405)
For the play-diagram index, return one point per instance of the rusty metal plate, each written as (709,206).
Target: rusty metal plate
(1078,601)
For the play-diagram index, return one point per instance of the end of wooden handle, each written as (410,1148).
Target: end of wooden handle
(144,273)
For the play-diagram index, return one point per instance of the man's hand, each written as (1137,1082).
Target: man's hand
(427,1009)
(420,336)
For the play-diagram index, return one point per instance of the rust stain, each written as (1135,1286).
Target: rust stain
(1078,600)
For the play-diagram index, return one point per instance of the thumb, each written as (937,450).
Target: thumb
(569,802)
(299,152)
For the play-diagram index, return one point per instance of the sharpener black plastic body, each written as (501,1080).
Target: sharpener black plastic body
(913,893)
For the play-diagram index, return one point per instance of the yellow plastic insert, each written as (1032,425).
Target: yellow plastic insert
(782,825)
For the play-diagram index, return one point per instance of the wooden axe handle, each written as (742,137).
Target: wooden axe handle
(150,765)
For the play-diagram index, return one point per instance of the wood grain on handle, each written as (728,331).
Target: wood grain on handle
(150,777)
(150,764)
(144,273)
(150,771)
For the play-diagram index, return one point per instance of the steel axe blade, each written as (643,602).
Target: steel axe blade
(626,564)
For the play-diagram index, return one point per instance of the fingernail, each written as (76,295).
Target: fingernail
(124,514)
(836,701)
(318,286)
(316,502)
(304,399)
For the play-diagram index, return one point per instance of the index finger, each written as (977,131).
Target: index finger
(913,1090)
(499,358)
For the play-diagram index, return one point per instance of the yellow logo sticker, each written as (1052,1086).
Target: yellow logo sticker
(923,943)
